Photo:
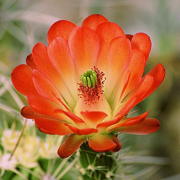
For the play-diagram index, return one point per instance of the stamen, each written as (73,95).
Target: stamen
(90,87)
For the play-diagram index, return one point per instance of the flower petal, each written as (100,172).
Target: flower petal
(42,62)
(118,144)
(158,73)
(60,28)
(145,89)
(128,121)
(93,116)
(131,77)
(45,123)
(144,127)
(119,54)
(93,21)
(101,143)
(137,97)
(60,58)
(83,131)
(47,107)
(44,65)
(44,86)
(44,106)
(30,113)
(84,47)
(52,127)
(22,79)
(124,111)
(107,32)
(72,116)
(150,82)
(136,69)
(100,106)
(135,120)
(35,113)
(70,145)
(30,62)
(129,36)
(142,42)
(46,89)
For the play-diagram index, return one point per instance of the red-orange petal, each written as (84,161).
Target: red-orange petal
(30,113)
(50,108)
(22,79)
(42,62)
(52,127)
(136,69)
(119,55)
(93,21)
(70,145)
(44,65)
(109,30)
(44,87)
(44,106)
(83,131)
(140,93)
(30,62)
(47,124)
(71,115)
(135,120)
(101,143)
(150,82)
(128,121)
(144,127)
(129,36)
(118,144)
(136,97)
(93,116)
(143,88)
(84,47)
(158,73)
(60,28)
(142,42)
(60,57)
(123,112)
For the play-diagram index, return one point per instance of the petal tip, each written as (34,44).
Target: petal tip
(93,21)
(70,145)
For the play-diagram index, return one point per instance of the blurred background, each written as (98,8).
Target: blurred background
(23,23)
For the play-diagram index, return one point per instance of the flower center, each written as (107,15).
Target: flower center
(90,86)
(89,78)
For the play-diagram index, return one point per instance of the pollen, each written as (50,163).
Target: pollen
(91,85)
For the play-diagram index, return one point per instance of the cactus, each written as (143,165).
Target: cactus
(95,165)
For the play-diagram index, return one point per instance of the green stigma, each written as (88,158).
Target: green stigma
(89,78)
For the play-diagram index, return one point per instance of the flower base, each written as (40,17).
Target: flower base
(95,165)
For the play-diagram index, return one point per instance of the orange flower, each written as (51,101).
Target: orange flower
(85,81)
